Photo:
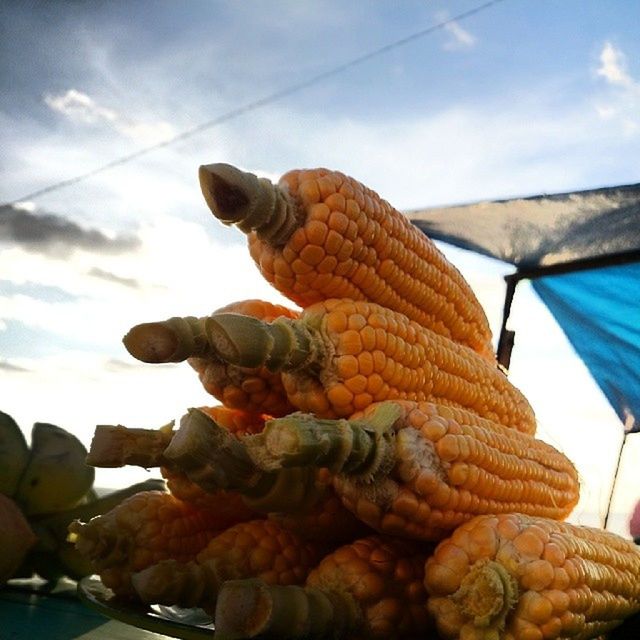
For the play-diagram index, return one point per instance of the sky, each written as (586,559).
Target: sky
(519,98)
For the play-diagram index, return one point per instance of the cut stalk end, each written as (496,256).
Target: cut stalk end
(251,608)
(252,203)
(228,192)
(151,342)
(180,584)
(172,340)
(117,446)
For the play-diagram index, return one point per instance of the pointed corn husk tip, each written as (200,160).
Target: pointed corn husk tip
(227,191)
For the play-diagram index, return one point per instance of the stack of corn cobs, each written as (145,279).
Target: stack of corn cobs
(370,472)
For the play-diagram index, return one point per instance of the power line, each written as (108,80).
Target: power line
(253,105)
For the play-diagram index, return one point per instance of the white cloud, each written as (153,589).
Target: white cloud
(613,66)
(27,205)
(459,154)
(459,38)
(81,108)
(621,104)
(178,270)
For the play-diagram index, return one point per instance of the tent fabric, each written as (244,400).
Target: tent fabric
(541,230)
(588,306)
(598,308)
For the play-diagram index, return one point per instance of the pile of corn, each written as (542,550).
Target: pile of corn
(370,472)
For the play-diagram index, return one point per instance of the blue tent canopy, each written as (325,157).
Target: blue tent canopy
(581,251)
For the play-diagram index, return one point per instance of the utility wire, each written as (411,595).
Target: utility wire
(253,105)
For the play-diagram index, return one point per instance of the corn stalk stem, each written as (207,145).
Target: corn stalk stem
(352,447)
(215,459)
(212,457)
(179,584)
(244,341)
(250,608)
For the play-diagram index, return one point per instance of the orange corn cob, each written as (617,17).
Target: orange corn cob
(254,389)
(515,577)
(319,234)
(371,588)
(240,422)
(325,519)
(145,529)
(340,356)
(256,549)
(419,469)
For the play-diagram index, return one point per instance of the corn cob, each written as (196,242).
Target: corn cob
(325,518)
(250,389)
(340,356)
(515,577)
(403,468)
(371,588)
(145,529)
(319,234)
(256,549)
(240,422)
(419,469)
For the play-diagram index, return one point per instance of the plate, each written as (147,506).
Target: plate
(188,624)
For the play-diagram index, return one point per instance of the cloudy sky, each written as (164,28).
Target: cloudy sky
(518,98)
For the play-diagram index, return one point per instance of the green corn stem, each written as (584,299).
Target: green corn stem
(187,584)
(281,345)
(363,447)
(244,341)
(251,608)
(215,459)
(251,203)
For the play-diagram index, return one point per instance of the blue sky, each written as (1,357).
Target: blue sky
(524,97)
